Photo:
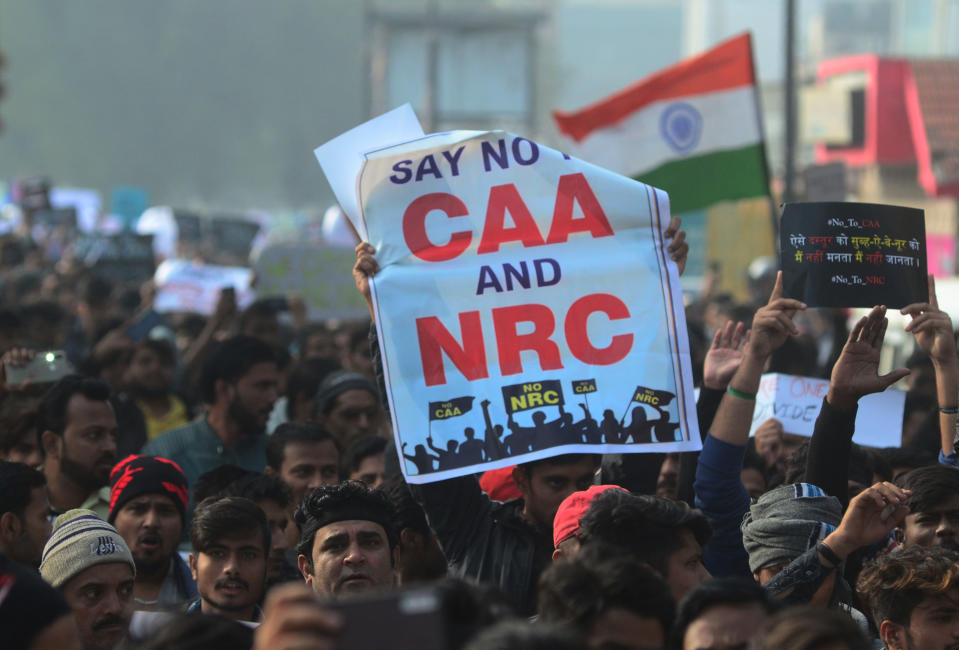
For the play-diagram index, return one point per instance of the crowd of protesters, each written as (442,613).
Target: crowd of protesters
(231,481)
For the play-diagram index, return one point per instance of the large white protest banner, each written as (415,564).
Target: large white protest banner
(796,402)
(183,285)
(525,306)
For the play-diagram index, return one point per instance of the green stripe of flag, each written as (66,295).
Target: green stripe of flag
(698,182)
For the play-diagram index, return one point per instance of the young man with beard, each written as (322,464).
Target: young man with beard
(78,432)
(912,596)
(147,506)
(238,386)
(230,538)
(88,562)
(24,526)
(149,379)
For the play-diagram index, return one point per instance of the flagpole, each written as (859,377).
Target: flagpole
(773,211)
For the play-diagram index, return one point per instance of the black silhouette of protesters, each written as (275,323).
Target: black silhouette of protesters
(422,459)
(493,442)
(471,450)
(587,428)
(612,431)
(640,429)
(447,457)
(663,429)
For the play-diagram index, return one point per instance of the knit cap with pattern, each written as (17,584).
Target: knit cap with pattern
(79,541)
(786,522)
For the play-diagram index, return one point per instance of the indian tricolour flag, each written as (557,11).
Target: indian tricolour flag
(692,129)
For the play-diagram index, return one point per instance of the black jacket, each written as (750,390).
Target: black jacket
(485,540)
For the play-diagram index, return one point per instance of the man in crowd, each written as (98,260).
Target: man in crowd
(913,597)
(78,431)
(149,379)
(305,457)
(613,601)
(148,506)
(238,386)
(667,535)
(721,614)
(24,525)
(230,538)
(273,497)
(88,562)
(366,460)
(349,544)
(19,439)
(507,544)
(568,515)
(421,557)
(933,518)
(348,406)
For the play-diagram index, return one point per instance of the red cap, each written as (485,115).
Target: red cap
(566,523)
(499,484)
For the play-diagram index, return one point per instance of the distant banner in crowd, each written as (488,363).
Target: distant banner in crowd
(533,282)
(322,276)
(796,402)
(853,254)
(185,286)
(124,255)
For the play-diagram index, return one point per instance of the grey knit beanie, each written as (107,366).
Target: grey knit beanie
(79,541)
(786,522)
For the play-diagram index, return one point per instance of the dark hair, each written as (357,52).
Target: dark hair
(645,526)
(363,448)
(893,585)
(860,467)
(809,627)
(752,459)
(230,360)
(407,512)
(216,518)
(564,459)
(200,632)
(256,487)
(52,411)
(17,482)
(96,291)
(578,591)
(347,500)
(294,432)
(718,591)
(215,481)
(262,308)
(931,486)
(18,418)
(305,379)
(45,310)
(521,635)
(159,347)
(910,457)
(470,608)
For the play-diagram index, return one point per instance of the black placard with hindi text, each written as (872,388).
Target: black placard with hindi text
(853,254)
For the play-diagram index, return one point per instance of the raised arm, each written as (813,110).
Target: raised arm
(932,328)
(365,268)
(855,375)
(720,492)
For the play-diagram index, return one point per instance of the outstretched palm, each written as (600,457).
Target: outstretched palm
(856,372)
(724,355)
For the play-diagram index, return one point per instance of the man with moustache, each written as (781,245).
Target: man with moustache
(147,506)
(238,386)
(88,562)
(78,432)
(349,543)
(230,538)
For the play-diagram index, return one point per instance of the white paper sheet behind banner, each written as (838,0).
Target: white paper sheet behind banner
(796,402)
(525,306)
(342,157)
